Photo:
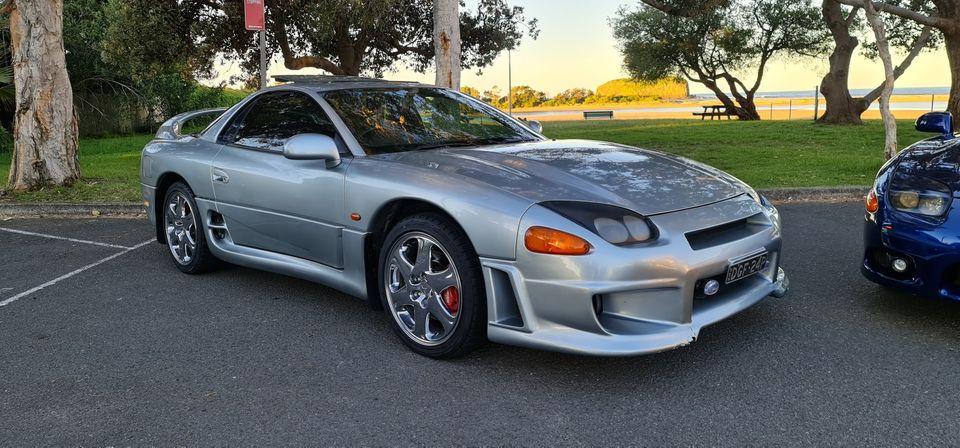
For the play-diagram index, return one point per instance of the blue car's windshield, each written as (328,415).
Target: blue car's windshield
(406,119)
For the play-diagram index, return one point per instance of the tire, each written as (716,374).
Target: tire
(183,231)
(412,295)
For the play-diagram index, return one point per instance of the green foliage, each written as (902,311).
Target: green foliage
(571,97)
(471,91)
(339,36)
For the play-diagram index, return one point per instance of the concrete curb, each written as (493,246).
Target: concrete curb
(13,209)
(815,194)
(778,196)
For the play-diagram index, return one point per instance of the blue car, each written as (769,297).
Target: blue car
(912,227)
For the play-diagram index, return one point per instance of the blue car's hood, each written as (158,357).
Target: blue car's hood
(936,158)
(645,181)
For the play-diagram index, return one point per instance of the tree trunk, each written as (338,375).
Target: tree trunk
(747,110)
(953,55)
(883,48)
(45,127)
(841,107)
(446,42)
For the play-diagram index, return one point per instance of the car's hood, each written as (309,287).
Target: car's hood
(647,182)
(937,158)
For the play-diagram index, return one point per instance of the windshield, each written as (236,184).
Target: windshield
(408,119)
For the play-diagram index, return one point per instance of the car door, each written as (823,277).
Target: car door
(269,202)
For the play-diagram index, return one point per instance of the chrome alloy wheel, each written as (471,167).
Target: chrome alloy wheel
(181,228)
(423,288)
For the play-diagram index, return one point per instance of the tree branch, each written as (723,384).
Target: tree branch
(852,16)
(921,18)
(298,62)
(918,46)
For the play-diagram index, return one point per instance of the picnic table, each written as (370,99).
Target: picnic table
(714,110)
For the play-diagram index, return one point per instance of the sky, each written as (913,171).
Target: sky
(576,48)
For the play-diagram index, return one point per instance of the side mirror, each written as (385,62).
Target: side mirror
(939,122)
(312,147)
(535,126)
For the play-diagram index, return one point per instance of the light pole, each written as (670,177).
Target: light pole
(510,81)
(263,59)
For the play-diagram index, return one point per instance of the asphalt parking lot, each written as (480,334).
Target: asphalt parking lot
(129,351)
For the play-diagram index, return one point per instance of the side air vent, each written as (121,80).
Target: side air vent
(505,308)
(217,225)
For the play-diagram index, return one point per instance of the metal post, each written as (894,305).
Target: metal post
(771,110)
(790,110)
(509,82)
(932,98)
(263,59)
(816,103)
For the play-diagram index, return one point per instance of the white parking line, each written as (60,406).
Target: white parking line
(71,274)
(63,238)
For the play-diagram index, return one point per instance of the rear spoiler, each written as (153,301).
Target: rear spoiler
(170,129)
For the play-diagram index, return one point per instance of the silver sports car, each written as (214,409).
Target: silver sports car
(461,222)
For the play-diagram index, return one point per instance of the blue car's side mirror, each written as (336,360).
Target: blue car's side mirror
(939,122)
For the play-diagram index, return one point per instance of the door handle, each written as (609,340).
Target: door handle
(220,176)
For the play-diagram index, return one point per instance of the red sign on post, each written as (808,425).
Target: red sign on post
(253,15)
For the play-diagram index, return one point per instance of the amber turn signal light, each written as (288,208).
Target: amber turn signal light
(872,203)
(545,240)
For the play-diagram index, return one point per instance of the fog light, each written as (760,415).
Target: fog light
(711,287)
(899,265)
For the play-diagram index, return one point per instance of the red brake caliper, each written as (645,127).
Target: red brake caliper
(451,298)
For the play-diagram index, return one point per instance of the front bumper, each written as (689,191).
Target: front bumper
(619,301)
(932,252)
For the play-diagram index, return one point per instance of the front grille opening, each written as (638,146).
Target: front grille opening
(727,233)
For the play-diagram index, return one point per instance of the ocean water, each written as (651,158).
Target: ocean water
(854,92)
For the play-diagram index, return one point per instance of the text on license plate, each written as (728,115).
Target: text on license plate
(746,268)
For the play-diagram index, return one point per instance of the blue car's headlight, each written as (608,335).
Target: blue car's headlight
(614,224)
(920,195)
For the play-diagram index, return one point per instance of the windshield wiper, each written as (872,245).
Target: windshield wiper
(438,145)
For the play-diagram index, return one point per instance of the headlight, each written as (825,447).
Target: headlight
(920,195)
(614,224)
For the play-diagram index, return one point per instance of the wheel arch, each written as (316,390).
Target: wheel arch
(385,218)
(164,181)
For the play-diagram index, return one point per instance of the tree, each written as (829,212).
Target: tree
(341,37)
(45,127)
(446,42)
(945,17)
(526,96)
(883,49)
(841,106)
(471,91)
(710,42)
(572,96)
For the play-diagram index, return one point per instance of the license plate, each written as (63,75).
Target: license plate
(747,267)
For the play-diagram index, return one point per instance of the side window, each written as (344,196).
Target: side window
(275,117)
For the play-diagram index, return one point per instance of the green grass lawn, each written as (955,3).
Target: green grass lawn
(766,154)
(110,168)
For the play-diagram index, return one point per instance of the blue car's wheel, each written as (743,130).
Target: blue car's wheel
(432,287)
